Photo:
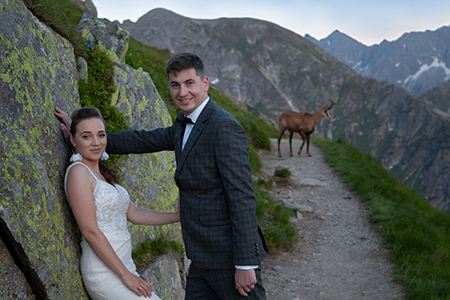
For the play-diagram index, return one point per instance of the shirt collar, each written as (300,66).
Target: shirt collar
(196,113)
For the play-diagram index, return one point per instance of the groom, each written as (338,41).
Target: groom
(217,204)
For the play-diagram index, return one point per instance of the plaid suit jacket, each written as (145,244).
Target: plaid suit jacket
(217,203)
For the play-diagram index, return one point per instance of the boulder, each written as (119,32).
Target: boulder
(38,72)
(164,277)
(104,34)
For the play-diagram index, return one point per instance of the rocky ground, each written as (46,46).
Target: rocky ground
(339,254)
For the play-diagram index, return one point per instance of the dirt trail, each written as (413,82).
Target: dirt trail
(339,254)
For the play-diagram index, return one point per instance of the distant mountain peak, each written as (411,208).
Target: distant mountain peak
(336,31)
(412,56)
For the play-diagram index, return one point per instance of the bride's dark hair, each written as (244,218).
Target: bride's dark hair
(82,114)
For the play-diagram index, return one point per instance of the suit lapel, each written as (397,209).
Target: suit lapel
(179,136)
(199,126)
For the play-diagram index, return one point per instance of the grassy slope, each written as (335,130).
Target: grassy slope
(416,233)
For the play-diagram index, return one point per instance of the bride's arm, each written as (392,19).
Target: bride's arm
(144,216)
(80,185)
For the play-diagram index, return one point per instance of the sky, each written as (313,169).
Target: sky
(368,21)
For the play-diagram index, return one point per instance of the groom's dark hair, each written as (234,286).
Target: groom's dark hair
(183,61)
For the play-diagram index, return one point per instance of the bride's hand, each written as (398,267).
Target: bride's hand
(65,123)
(137,285)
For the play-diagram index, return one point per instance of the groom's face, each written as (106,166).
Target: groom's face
(188,89)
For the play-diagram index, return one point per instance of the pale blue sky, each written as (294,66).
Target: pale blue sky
(368,21)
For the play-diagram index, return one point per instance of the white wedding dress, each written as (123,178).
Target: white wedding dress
(111,204)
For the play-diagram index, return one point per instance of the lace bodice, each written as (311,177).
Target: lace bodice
(111,205)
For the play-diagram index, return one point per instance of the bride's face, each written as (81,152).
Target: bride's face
(90,139)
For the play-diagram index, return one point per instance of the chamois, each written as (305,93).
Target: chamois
(303,123)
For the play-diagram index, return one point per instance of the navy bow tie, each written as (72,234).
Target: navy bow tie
(184,121)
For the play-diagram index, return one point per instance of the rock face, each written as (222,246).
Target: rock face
(40,249)
(437,99)
(274,70)
(167,285)
(13,283)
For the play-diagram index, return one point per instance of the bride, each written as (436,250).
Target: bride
(101,208)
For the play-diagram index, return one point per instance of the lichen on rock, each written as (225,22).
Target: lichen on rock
(38,73)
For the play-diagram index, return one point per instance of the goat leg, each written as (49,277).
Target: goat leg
(301,147)
(307,146)
(290,143)
(279,140)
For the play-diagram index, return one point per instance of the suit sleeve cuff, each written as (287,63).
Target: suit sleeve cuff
(246,267)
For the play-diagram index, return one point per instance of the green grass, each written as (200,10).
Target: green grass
(274,220)
(62,16)
(258,131)
(148,251)
(417,235)
(153,61)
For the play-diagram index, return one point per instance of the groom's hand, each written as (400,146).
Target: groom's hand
(65,123)
(245,281)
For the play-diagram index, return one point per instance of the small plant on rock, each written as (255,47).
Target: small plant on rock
(282,176)
(283,173)
(147,252)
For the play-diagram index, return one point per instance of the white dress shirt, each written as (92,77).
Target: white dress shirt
(193,116)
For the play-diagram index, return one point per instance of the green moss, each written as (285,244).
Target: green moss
(98,92)
(99,89)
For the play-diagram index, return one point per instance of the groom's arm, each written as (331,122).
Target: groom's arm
(141,141)
(233,161)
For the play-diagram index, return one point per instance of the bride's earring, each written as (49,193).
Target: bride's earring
(76,157)
(105,156)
